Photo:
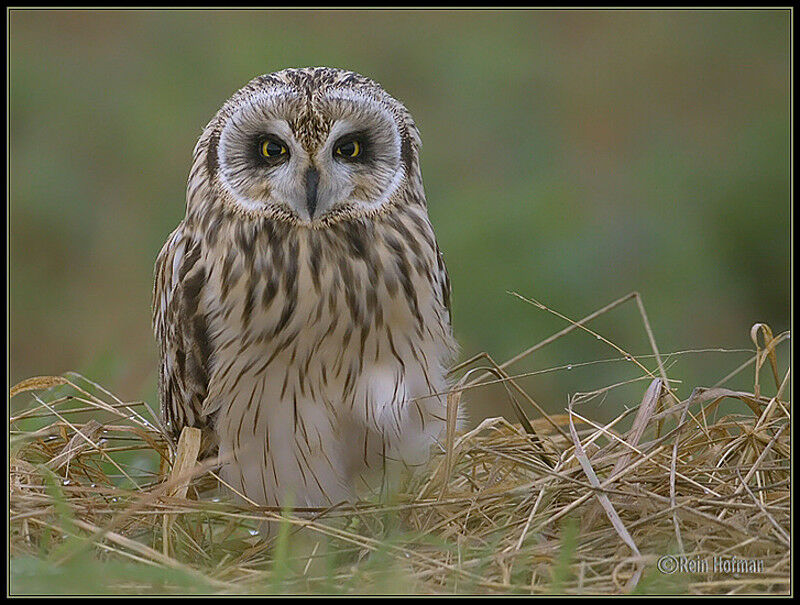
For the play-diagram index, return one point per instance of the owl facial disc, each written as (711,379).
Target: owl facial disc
(313,154)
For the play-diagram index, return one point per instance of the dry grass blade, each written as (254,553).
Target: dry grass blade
(76,445)
(185,460)
(489,515)
(36,383)
(604,501)
(647,408)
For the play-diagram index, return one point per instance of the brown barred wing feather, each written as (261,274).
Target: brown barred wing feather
(444,286)
(181,329)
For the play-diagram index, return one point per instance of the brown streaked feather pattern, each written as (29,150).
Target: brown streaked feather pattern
(312,354)
(182,333)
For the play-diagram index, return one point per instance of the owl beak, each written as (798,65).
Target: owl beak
(312,180)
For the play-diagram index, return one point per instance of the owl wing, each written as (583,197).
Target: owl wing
(181,330)
(445,290)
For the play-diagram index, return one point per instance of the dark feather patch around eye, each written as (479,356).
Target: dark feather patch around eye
(255,155)
(363,146)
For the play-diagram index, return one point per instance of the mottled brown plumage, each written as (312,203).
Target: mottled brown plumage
(302,305)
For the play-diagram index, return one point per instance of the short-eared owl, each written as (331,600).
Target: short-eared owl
(302,305)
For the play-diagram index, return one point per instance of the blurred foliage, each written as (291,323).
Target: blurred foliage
(569,156)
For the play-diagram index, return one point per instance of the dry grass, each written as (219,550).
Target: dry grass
(551,504)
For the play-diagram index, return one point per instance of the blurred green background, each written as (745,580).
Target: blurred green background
(569,156)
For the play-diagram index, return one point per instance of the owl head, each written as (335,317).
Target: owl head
(309,146)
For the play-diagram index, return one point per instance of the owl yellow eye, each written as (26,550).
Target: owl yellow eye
(351,149)
(273,149)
